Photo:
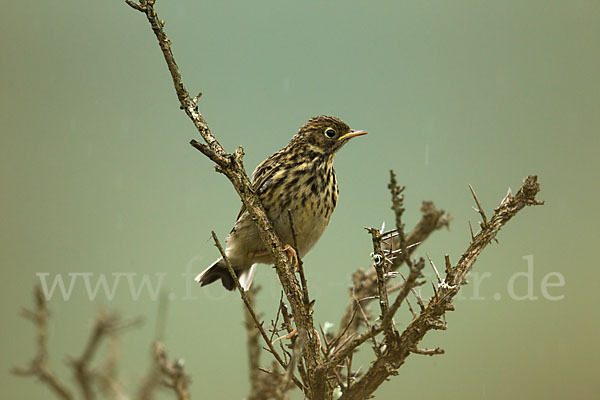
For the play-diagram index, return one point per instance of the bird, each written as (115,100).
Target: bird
(299,178)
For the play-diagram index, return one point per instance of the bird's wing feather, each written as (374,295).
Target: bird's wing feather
(262,175)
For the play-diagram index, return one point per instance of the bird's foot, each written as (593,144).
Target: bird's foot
(288,336)
(294,333)
(293,256)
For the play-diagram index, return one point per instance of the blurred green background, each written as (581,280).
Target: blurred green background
(98,177)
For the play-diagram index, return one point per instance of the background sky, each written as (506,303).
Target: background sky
(98,177)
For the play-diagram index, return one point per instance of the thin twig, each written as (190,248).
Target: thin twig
(275,330)
(414,293)
(368,325)
(410,283)
(346,350)
(471,230)
(410,307)
(300,262)
(479,207)
(252,346)
(428,352)
(437,274)
(250,309)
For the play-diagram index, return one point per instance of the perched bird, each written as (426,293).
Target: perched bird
(299,178)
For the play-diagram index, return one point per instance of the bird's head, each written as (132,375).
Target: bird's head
(325,135)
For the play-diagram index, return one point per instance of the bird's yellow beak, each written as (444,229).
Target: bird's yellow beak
(352,134)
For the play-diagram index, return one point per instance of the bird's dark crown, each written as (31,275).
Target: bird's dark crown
(321,134)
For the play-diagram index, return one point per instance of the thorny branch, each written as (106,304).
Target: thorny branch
(379,264)
(364,284)
(430,317)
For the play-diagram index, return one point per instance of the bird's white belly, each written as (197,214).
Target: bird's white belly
(309,226)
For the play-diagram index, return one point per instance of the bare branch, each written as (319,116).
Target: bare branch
(135,5)
(175,377)
(398,208)
(39,366)
(104,325)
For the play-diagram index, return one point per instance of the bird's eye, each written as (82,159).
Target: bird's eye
(329,132)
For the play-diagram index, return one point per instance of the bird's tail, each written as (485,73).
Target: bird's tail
(218,270)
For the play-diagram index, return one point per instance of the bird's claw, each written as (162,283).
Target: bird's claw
(293,256)
(288,336)
(294,333)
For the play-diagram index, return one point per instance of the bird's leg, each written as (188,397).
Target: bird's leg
(293,256)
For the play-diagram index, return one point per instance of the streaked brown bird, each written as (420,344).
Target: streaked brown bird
(300,178)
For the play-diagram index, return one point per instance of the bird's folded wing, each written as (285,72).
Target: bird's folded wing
(262,175)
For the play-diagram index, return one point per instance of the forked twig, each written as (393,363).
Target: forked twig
(39,366)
